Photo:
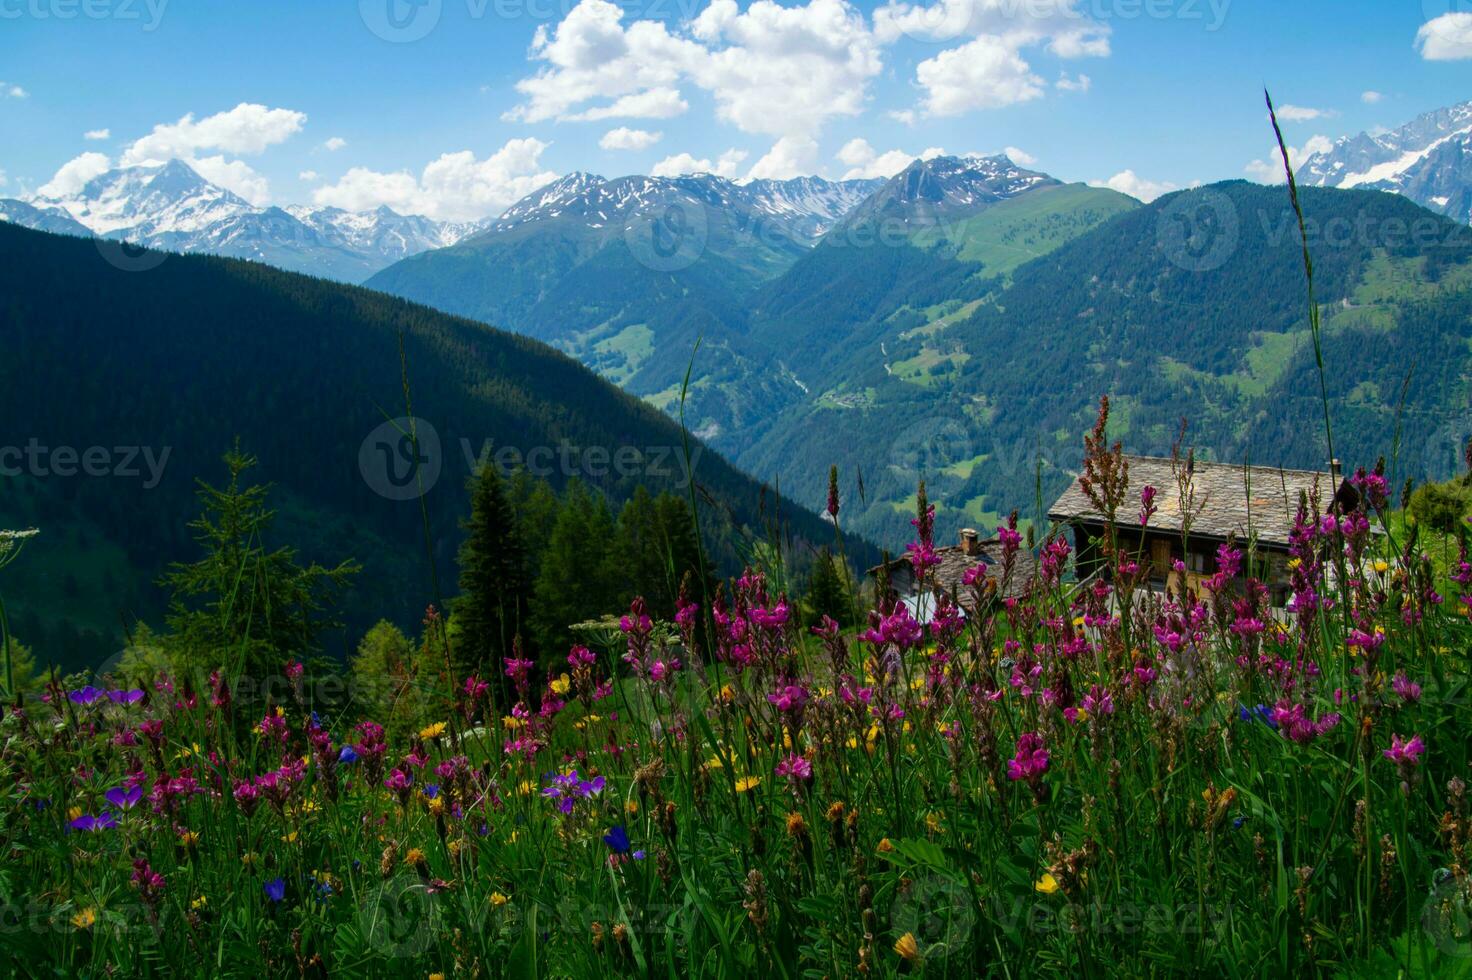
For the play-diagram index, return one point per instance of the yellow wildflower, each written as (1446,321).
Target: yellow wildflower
(1046,885)
(85,919)
(747,782)
(796,825)
(498,900)
(933,821)
(433,731)
(199,903)
(632,807)
(561,685)
(907,947)
(414,858)
(728,693)
(74,813)
(885,846)
(1382,566)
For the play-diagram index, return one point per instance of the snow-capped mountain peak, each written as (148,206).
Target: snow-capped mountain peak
(1428,160)
(171,206)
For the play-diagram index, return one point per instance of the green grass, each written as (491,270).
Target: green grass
(1020,229)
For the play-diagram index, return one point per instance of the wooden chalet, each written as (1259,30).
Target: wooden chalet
(1227,500)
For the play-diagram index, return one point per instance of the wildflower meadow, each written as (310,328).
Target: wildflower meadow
(1083,778)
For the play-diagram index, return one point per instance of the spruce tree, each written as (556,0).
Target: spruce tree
(827,591)
(491,609)
(577,581)
(242,604)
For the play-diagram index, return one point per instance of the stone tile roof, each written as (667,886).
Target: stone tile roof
(1229,499)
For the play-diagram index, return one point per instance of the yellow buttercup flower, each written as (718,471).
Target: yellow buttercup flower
(85,919)
(199,903)
(498,900)
(561,685)
(1046,885)
(747,782)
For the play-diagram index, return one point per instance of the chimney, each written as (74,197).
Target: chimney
(970,542)
(1334,478)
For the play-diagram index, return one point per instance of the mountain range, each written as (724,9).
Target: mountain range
(954,321)
(1429,160)
(171,207)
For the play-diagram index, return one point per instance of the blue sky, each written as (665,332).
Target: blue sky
(497,96)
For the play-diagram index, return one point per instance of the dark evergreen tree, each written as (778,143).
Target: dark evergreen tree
(491,609)
(243,605)
(828,591)
(575,584)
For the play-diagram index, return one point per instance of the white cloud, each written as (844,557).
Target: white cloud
(1023,157)
(1446,38)
(684,163)
(773,69)
(10,91)
(790,156)
(97,134)
(1371,97)
(864,161)
(904,116)
(454,187)
(988,70)
(3,179)
(657,103)
(1270,170)
(1078,83)
(235,176)
(1131,183)
(334,143)
(74,174)
(309,176)
(246,129)
(982,74)
(624,138)
(1298,113)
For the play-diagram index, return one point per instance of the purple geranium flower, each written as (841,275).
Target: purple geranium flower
(132,696)
(123,798)
(91,824)
(85,695)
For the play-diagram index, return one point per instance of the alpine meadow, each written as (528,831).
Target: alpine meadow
(736,488)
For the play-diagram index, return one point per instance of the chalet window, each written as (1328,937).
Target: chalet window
(1196,562)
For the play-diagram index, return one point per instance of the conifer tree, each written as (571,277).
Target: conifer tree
(575,584)
(491,609)
(827,591)
(242,604)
